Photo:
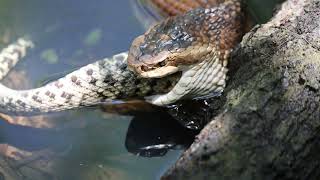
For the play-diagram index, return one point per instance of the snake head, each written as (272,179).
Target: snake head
(156,53)
(177,43)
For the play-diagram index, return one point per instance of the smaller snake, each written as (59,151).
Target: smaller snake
(182,57)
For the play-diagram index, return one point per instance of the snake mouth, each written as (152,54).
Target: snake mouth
(160,72)
(151,66)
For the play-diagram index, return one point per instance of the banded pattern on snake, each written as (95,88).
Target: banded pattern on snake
(184,56)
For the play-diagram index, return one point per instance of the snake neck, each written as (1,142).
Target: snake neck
(202,80)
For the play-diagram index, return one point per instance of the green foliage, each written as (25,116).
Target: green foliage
(93,37)
(50,56)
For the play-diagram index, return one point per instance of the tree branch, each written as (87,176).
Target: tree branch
(268,126)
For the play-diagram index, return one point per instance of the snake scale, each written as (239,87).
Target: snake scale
(183,56)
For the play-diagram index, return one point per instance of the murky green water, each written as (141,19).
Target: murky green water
(87,143)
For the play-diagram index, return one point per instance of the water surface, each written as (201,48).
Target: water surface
(86,143)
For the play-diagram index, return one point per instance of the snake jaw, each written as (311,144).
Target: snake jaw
(160,72)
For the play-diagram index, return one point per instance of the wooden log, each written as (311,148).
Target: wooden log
(268,127)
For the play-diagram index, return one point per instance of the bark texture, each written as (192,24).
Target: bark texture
(268,127)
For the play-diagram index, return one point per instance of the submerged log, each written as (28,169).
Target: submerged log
(268,127)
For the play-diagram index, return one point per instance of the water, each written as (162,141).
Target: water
(86,143)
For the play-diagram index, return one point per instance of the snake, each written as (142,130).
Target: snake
(183,56)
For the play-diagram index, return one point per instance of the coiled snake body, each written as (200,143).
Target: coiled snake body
(184,56)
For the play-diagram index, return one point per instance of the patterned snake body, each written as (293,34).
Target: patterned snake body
(182,57)
(102,81)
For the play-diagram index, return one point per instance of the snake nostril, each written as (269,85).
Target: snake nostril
(162,63)
(144,68)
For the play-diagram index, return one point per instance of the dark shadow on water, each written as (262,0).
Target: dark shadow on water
(153,134)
